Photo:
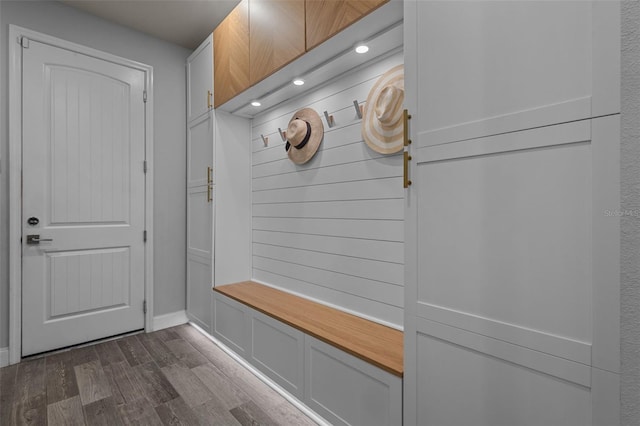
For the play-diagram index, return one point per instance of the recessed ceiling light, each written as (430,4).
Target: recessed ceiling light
(363,48)
(298,82)
(255,103)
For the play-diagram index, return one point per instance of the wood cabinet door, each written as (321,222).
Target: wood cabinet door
(231,55)
(277,35)
(324,18)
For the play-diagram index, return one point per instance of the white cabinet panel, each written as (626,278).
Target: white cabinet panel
(199,291)
(348,391)
(231,324)
(278,351)
(463,387)
(520,223)
(200,151)
(199,221)
(480,60)
(200,80)
(200,186)
(199,256)
(512,221)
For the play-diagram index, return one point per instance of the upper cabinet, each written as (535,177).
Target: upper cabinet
(231,54)
(200,84)
(260,46)
(276,35)
(326,18)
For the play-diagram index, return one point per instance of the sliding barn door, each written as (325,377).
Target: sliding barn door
(512,220)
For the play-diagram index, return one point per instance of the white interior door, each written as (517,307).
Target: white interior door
(83,197)
(512,239)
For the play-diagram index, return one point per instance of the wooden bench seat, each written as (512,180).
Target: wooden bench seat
(372,342)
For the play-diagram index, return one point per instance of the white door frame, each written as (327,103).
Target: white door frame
(15,175)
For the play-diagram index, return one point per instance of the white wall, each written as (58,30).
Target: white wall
(233,199)
(630,225)
(331,229)
(59,20)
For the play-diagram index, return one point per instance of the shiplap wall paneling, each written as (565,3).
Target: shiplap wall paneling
(331,229)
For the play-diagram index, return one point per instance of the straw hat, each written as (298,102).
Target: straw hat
(382,127)
(304,135)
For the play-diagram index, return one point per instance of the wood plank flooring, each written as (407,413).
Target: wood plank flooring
(174,376)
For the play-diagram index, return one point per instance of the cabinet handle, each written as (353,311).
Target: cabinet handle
(209,94)
(406,117)
(407,182)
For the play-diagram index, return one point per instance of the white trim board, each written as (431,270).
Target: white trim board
(15,175)
(170,320)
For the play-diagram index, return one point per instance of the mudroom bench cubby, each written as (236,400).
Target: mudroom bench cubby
(345,368)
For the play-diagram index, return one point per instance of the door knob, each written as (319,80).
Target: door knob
(35,239)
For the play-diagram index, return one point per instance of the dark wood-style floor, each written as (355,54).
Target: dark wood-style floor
(174,376)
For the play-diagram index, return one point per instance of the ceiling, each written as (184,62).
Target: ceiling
(183,22)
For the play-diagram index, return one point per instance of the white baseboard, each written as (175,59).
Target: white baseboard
(4,357)
(169,320)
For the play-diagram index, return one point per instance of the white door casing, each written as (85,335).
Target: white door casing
(83,151)
(512,244)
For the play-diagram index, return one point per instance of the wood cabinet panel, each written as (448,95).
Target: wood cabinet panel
(277,35)
(325,18)
(231,54)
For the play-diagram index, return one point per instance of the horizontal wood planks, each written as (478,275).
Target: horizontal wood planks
(333,228)
(375,343)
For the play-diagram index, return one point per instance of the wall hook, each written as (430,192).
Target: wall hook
(358,108)
(265,139)
(283,135)
(329,119)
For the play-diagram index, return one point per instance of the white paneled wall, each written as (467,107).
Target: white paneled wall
(331,229)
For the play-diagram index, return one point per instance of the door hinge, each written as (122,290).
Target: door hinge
(144,306)
(144,96)
(144,166)
(144,236)
(24,42)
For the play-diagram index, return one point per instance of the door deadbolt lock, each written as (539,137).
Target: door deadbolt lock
(33,221)
(35,239)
